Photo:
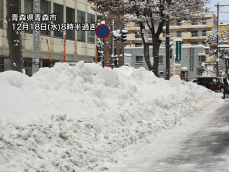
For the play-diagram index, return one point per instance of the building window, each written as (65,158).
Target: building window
(1,13)
(109,48)
(139,60)
(204,43)
(204,32)
(178,23)
(1,64)
(160,59)
(115,27)
(150,35)
(138,44)
(120,27)
(70,18)
(137,25)
(28,9)
(80,19)
(202,58)
(195,23)
(110,24)
(150,44)
(58,10)
(183,74)
(179,33)
(45,9)
(194,43)
(204,22)
(161,73)
(91,34)
(114,49)
(125,44)
(120,49)
(137,35)
(194,33)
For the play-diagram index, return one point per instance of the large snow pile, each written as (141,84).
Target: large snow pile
(75,118)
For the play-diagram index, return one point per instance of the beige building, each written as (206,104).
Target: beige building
(191,33)
(80,45)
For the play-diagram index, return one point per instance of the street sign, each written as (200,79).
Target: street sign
(178,50)
(102,31)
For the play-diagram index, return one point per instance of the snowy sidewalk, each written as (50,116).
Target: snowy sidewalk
(201,145)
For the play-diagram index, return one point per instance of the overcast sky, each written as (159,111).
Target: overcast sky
(222,16)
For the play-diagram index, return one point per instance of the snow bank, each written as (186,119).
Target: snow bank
(76,118)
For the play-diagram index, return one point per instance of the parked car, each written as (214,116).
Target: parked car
(193,80)
(215,83)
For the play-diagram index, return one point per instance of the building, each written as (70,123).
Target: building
(191,33)
(80,45)
(192,58)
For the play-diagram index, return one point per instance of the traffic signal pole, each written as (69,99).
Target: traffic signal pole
(167,51)
(112,45)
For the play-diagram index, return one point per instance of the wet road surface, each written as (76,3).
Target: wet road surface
(205,150)
(200,148)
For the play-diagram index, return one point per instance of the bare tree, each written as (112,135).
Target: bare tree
(154,14)
(223,52)
(14,37)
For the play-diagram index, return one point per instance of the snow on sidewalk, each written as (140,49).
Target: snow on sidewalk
(75,118)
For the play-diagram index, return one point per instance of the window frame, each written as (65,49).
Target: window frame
(161,59)
(194,43)
(81,15)
(194,33)
(138,35)
(140,59)
(179,33)
(2,13)
(70,35)
(138,44)
(90,34)
(56,33)
(204,32)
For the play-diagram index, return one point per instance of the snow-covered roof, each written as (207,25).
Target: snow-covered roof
(126,54)
(184,69)
(224,45)
(201,54)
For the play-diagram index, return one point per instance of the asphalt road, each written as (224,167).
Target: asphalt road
(206,149)
(201,147)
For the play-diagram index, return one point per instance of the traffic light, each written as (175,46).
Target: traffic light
(116,62)
(124,35)
(171,49)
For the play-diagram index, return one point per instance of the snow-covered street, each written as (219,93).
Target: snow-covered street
(199,144)
(84,118)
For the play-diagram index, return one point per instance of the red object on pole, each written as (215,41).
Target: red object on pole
(49,52)
(64,46)
(107,56)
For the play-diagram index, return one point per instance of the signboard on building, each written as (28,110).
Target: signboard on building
(178,50)
(177,70)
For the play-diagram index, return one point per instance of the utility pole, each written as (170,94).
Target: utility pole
(217,55)
(112,45)
(167,50)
